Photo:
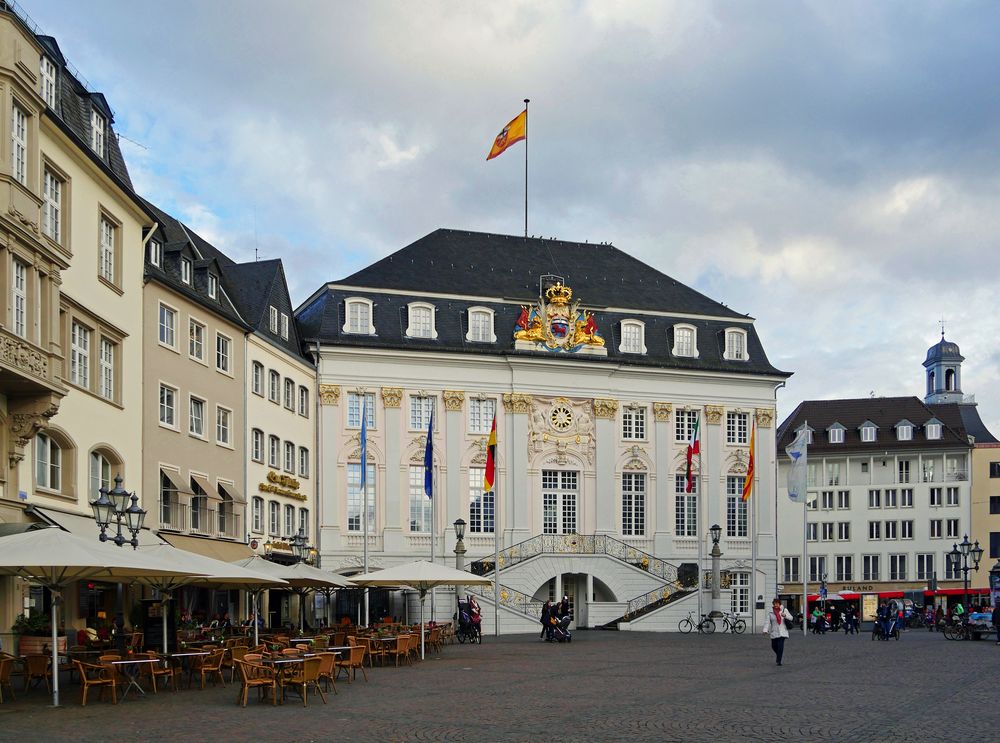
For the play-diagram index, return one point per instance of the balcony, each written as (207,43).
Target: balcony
(957,475)
(224,523)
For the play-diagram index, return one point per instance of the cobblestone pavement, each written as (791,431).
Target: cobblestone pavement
(604,686)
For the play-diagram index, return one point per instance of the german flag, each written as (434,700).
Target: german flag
(514,132)
(748,482)
(491,458)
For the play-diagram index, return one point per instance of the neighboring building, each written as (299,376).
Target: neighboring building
(594,413)
(72,332)
(890,488)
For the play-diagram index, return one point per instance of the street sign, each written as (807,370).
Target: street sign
(780,588)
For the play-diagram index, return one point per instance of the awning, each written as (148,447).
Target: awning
(204,485)
(957,592)
(232,491)
(214,548)
(85,526)
(177,481)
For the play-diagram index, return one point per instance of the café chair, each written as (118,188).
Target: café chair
(302,677)
(6,668)
(327,670)
(36,668)
(100,676)
(256,676)
(355,659)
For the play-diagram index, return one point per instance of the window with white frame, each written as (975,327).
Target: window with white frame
(98,132)
(196,417)
(168,406)
(421,321)
(935,529)
(100,474)
(890,498)
(736,344)
(303,401)
(897,567)
(480,325)
(891,531)
(355,497)
(685,341)
(223,353)
(827,531)
(19,294)
(273,386)
(274,452)
(844,567)
(47,81)
(154,252)
(213,285)
(257,378)
(817,568)
(355,401)
(874,530)
(904,432)
(303,462)
(790,570)
(906,529)
(19,145)
(257,445)
(48,462)
(868,434)
(289,394)
(903,471)
(420,504)
(951,497)
(844,499)
(359,317)
(284,326)
(257,514)
(52,188)
(196,339)
(833,473)
(812,532)
(951,528)
(421,408)
(633,504)
(274,518)
(685,507)
(835,435)
(874,498)
(168,326)
(107,369)
(633,337)
(304,521)
(634,423)
(273,319)
(933,431)
(737,513)
(290,520)
(108,236)
(684,423)
(935,496)
(289,456)
(906,498)
(186,270)
(481,505)
(925,566)
(223,426)
(951,572)
(79,364)
(481,412)
(739,597)
(737,428)
(559,501)
(843,531)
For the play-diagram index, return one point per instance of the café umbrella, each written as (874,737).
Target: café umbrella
(422,576)
(54,558)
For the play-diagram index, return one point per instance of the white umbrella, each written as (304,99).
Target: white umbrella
(213,572)
(423,576)
(54,558)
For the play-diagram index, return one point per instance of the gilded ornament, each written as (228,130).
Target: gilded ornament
(453,400)
(605,408)
(765,417)
(329,394)
(392,397)
(557,324)
(515,402)
(713,414)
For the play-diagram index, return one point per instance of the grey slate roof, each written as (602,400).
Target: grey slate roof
(485,267)
(958,423)
(256,287)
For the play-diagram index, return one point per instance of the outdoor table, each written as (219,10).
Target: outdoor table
(130,668)
(187,654)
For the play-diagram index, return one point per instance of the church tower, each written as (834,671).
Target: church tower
(944,373)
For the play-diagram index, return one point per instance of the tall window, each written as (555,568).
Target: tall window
(98,130)
(258,378)
(421,407)
(19,290)
(274,452)
(736,508)
(481,505)
(420,504)
(737,428)
(925,566)
(304,521)
(481,412)
(359,317)
(168,326)
(354,404)
(79,365)
(559,491)
(213,285)
(168,397)
(951,497)
(186,270)
(304,401)
(223,425)
(223,353)
(684,341)
(817,568)
(736,345)
(632,337)
(935,529)
(843,499)
(284,326)
(289,394)
(196,417)
(951,528)
(740,596)
(897,567)
(289,520)
(196,340)
(891,500)
(303,462)
(273,386)
(100,474)
(155,252)
(633,504)
(107,369)
(845,567)
(48,82)
(273,319)
(870,567)
(257,445)
(257,514)
(904,471)
(19,145)
(355,497)
(634,423)
(289,456)
(790,570)
(906,498)
(421,321)
(52,205)
(107,250)
(684,423)
(843,531)
(685,507)
(480,326)
(274,518)
(48,463)
(874,498)
(935,496)
(874,530)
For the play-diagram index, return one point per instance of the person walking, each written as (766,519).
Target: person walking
(546,613)
(996,621)
(776,626)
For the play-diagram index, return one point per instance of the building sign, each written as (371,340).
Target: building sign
(281,485)
(869,606)
(857,588)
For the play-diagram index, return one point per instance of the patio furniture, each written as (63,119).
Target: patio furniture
(302,677)
(93,675)
(37,668)
(208,667)
(354,660)
(434,640)
(401,649)
(6,668)
(235,653)
(327,669)
(161,669)
(256,676)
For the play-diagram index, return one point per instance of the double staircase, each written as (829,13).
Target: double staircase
(671,589)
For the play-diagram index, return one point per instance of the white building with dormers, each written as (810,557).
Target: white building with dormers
(596,366)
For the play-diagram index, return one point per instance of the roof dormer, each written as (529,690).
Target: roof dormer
(933,430)
(869,432)
(835,433)
(904,430)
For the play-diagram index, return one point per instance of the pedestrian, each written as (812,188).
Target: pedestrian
(929,618)
(996,621)
(776,626)
(546,613)
(938,618)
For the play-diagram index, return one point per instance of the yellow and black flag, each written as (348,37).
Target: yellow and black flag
(491,458)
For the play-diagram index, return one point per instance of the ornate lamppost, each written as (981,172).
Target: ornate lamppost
(716,532)
(459,552)
(959,556)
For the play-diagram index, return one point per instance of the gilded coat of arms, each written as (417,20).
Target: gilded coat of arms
(557,324)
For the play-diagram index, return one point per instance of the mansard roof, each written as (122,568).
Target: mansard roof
(255,288)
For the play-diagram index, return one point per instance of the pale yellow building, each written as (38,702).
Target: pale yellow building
(985,509)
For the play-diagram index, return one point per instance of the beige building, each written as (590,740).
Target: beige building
(985,509)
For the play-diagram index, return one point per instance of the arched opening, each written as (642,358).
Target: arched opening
(949,380)
(930,383)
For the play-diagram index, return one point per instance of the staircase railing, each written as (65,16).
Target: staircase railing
(511,598)
(651,600)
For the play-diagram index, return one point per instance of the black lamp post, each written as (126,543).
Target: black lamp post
(959,556)
(300,546)
(715,531)
(459,552)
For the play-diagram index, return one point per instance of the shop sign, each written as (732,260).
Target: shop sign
(281,485)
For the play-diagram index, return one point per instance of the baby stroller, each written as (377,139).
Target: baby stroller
(469,623)
(560,630)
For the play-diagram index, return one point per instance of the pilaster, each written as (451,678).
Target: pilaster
(662,522)
(454,401)
(605,418)
(517,522)
(392,398)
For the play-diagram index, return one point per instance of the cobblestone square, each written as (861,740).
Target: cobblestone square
(604,686)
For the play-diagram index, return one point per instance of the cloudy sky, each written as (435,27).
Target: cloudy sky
(829,168)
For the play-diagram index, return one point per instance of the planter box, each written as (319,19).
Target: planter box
(28,645)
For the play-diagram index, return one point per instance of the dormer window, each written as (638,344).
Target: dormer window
(284,326)
(809,436)
(835,434)
(186,270)
(933,431)
(359,317)
(98,131)
(481,325)
(421,317)
(685,341)
(633,337)
(868,433)
(48,82)
(213,285)
(904,431)
(736,344)
(273,325)
(154,253)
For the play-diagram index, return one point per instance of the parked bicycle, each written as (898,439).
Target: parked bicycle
(706,626)
(734,624)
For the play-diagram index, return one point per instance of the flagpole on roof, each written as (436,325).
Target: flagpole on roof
(753,526)
(526,101)
(805,547)
(364,487)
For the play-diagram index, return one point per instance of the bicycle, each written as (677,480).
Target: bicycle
(734,624)
(706,626)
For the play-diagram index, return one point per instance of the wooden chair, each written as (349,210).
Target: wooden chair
(304,676)
(291,652)
(36,667)
(135,642)
(154,671)
(434,640)
(100,676)
(327,669)
(401,649)
(255,676)
(339,639)
(354,660)
(209,667)
(6,668)
(323,642)
(235,653)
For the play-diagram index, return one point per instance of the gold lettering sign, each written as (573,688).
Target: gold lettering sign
(281,485)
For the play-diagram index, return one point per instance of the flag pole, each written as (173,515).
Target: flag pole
(364,488)
(805,551)
(429,447)
(755,495)
(526,101)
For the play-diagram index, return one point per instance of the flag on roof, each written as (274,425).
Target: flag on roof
(513,133)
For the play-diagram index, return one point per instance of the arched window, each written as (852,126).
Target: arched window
(736,344)
(103,467)
(304,401)
(359,316)
(273,452)
(633,337)
(481,325)
(685,341)
(289,456)
(48,463)
(930,383)
(949,380)
(421,320)
(258,378)
(273,386)
(257,445)
(289,394)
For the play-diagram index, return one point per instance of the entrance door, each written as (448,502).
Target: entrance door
(559,494)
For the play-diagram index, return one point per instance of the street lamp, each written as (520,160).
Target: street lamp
(716,532)
(959,556)
(459,552)
(300,545)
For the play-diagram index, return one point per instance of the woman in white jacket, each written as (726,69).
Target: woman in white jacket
(776,625)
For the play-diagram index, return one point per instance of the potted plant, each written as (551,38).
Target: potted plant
(35,635)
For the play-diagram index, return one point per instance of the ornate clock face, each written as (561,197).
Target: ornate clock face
(561,417)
